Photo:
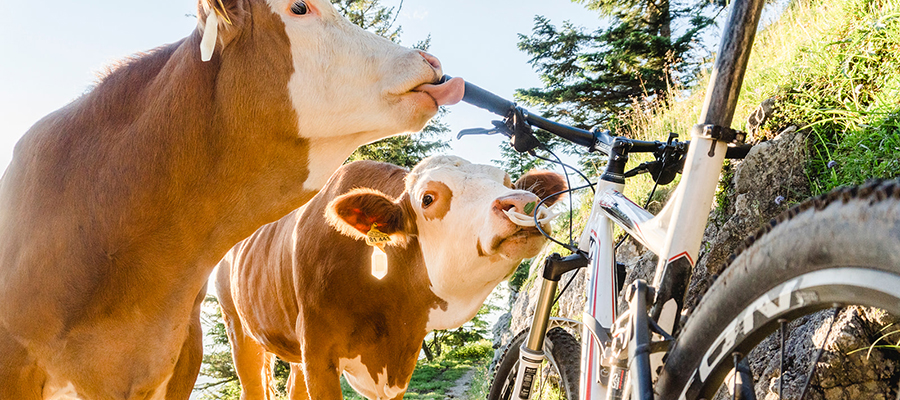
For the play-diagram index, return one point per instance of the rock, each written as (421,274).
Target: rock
(755,187)
(501,330)
(759,117)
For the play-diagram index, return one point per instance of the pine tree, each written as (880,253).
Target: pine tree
(643,50)
(589,77)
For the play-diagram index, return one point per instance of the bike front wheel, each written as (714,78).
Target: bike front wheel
(559,373)
(837,250)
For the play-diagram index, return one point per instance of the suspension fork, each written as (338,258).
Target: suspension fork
(531,354)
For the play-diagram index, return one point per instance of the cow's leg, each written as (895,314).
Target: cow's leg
(188,366)
(20,377)
(251,361)
(297,383)
(254,366)
(323,379)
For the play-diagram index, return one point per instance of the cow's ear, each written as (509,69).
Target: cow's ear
(543,184)
(353,214)
(218,23)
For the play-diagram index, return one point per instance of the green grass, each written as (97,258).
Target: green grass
(431,380)
(481,382)
(834,70)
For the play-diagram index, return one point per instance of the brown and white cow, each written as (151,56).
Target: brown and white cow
(301,287)
(116,208)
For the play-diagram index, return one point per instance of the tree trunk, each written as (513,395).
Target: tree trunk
(428,355)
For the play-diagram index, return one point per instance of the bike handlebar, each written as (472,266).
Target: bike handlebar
(593,140)
(481,98)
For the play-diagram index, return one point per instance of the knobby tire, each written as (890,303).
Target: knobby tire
(836,250)
(562,357)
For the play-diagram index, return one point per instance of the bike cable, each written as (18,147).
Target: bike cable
(664,161)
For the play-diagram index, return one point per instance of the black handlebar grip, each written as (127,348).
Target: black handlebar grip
(479,97)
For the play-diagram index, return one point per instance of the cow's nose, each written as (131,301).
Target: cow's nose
(524,203)
(435,63)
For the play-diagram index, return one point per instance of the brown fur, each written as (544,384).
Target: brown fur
(116,207)
(108,220)
(335,304)
(443,199)
(543,184)
(301,287)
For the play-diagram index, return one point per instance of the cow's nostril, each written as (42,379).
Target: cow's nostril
(432,60)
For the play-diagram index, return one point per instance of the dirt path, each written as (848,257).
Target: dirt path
(462,384)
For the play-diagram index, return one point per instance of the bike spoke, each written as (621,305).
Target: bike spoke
(734,384)
(782,329)
(815,361)
(743,386)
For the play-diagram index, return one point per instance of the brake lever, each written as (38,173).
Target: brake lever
(499,127)
(643,168)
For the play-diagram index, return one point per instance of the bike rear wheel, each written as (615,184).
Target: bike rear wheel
(837,250)
(558,376)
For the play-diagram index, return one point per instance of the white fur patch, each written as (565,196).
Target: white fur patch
(459,309)
(325,157)
(64,393)
(360,379)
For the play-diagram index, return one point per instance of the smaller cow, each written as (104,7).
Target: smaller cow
(301,287)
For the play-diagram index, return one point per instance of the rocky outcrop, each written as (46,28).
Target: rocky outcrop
(768,181)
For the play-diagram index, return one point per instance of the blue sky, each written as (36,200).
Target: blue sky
(52,53)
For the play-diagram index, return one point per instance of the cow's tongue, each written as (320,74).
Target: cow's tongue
(447,93)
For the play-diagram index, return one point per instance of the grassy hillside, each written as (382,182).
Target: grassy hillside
(833,69)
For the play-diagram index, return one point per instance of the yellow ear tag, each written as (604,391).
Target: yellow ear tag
(377,239)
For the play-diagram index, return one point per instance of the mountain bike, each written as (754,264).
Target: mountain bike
(839,249)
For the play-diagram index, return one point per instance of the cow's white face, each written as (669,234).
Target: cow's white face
(455,209)
(466,239)
(333,84)
(352,81)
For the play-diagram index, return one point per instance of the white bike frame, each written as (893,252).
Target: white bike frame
(689,205)
(674,235)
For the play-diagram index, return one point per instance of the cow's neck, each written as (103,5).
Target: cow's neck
(226,160)
(164,166)
(464,291)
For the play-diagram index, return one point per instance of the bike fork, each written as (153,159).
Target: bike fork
(531,354)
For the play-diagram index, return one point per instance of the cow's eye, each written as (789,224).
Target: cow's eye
(427,200)
(299,8)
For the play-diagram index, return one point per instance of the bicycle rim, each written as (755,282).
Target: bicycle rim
(839,250)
